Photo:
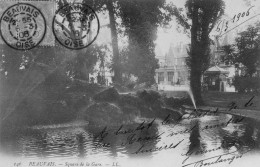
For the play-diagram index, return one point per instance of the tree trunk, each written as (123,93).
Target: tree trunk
(195,82)
(196,62)
(196,71)
(116,60)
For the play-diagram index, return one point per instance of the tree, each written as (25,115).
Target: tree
(229,57)
(248,50)
(84,62)
(245,50)
(86,58)
(104,5)
(116,59)
(201,17)
(140,20)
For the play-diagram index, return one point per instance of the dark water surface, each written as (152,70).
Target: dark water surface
(77,140)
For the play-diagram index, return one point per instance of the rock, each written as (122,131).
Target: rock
(108,95)
(150,97)
(147,112)
(131,110)
(121,88)
(81,102)
(135,105)
(129,100)
(104,114)
(130,113)
(177,102)
(164,112)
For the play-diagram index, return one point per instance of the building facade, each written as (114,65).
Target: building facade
(173,69)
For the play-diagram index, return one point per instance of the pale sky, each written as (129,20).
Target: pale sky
(166,37)
(172,36)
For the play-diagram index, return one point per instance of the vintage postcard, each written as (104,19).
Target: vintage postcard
(129,83)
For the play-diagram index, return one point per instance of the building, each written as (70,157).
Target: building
(173,69)
(216,79)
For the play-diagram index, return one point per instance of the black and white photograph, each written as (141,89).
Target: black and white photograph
(129,83)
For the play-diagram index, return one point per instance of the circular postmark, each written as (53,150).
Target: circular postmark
(75,26)
(22,26)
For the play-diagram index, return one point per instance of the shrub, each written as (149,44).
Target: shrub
(247,84)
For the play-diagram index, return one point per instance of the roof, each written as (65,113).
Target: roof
(216,69)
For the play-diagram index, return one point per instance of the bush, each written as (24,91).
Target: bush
(247,84)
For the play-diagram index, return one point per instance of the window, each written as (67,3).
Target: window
(170,76)
(160,77)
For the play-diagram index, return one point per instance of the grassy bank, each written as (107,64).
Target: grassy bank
(224,99)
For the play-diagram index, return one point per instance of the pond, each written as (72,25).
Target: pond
(181,143)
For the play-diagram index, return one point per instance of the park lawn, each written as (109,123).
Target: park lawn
(224,99)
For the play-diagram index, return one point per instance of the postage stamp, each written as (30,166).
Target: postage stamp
(75,25)
(23,26)
(47,9)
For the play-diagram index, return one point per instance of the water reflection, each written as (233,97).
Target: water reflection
(82,141)
(195,138)
(81,147)
(246,137)
(125,144)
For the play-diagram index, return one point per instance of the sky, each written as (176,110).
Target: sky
(233,7)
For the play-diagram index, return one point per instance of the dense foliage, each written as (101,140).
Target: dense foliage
(247,84)
(140,20)
(245,52)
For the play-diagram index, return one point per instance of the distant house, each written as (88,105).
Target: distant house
(173,69)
